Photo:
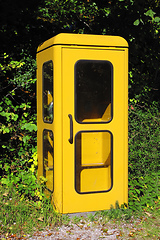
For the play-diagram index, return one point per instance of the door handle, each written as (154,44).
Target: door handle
(71,129)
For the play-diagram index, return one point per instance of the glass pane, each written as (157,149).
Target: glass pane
(93,86)
(48,161)
(93,161)
(48,91)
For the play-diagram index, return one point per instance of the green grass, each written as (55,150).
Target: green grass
(19,216)
(150,225)
(146,226)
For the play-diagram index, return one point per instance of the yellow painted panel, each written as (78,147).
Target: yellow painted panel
(49,172)
(96,148)
(41,59)
(49,176)
(49,98)
(84,40)
(53,54)
(50,160)
(94,180)
(106,115)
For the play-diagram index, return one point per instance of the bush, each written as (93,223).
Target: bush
(18,125)
(144,155)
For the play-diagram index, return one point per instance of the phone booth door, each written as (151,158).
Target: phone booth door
(94,128)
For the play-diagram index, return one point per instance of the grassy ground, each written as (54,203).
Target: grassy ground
(145,227)
(19,217)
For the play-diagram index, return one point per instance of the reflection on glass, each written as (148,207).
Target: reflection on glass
(48,160)
(93,161)
(93,91)
(48,91)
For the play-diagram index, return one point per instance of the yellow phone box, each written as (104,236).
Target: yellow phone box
(82,119)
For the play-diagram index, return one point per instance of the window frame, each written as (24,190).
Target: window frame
(44,171)
(75,148)
(45,121)
(75,92)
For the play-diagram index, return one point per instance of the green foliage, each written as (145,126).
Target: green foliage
(144,155)
(24,25)
(18,125)
(144,192)
(144,138)
(69,13)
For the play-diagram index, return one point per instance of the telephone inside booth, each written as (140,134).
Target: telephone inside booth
(82,119)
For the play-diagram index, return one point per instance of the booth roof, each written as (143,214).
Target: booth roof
(84,40)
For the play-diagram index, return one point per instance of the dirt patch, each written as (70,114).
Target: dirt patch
(86,229)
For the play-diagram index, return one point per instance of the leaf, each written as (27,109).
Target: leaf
(150,13)
(41,219)
(5,181)
(157,19)
(136,23)
(29,126)
(3,146)
(49,234)
(31,160)
(131,234)
(25,138)
(5,194)
(148,214)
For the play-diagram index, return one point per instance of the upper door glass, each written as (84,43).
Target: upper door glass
(93,91)
(48,92)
